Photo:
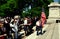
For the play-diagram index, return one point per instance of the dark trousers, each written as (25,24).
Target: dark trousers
(30,28)
(39,28)
(16,35)
(26,29)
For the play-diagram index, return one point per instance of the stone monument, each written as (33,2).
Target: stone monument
(54,12)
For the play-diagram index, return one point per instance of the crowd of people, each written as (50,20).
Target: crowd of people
(10,25)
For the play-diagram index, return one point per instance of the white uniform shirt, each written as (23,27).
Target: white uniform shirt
(38,23)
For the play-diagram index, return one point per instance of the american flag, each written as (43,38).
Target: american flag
(43,17)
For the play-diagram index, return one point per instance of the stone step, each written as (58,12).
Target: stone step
(59,29)
(45,27)
(55,34)
(49,29)
(33,35)
(50,34)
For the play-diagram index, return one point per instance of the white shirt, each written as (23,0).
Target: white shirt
(25,22)
(38,23)
(15,27)
(6,21)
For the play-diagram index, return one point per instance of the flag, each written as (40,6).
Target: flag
(43,17)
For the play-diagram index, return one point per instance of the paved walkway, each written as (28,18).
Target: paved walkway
(52,32)
(59,29)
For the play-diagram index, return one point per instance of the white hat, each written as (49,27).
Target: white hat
(17,16)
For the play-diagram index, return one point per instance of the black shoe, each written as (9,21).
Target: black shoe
(37,34)
(41,33)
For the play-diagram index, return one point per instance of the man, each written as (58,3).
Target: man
(30,25)
(14,24)
(26,25)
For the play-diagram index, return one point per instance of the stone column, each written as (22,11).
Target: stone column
(54,12)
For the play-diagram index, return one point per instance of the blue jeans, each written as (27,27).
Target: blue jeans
(16,35)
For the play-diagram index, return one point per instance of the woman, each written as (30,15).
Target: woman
(38,26)
(2,30)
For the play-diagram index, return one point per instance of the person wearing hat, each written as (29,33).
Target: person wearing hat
(17,16)
(14,24)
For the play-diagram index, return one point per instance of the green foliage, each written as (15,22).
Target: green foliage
(17,5)
(41,3)
(37,7)
(35,11)
(2,14)
(25,14)
(9,5)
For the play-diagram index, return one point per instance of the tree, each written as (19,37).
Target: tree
(59,1)
(38,4)
(8,8)
(13,7)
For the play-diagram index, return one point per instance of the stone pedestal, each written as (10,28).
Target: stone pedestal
(54,12)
